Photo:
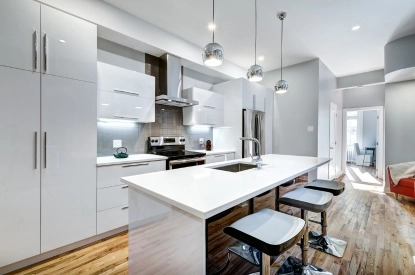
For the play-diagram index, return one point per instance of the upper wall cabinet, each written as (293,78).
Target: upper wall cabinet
(208,112)
(20,34)
(125,95)
(253,96)
(69,46)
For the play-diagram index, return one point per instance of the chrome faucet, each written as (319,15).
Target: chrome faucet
(258,160)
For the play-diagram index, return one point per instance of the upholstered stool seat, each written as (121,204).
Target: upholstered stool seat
(269,232)
(306,200)
(322,242)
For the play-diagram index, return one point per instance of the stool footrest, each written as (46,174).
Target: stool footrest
(249,253)
(294,266)
(314,221)
(329,245)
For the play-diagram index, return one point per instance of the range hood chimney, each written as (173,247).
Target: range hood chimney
(171,83)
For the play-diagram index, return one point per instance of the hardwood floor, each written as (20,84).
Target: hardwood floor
(380,233)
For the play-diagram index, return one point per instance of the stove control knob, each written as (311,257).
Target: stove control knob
(157,140)
(182,140)
(152,141)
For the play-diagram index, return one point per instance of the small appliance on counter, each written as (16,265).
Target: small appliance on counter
(208,145)
(121,155)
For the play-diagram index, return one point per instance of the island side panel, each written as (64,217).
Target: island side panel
(162,238)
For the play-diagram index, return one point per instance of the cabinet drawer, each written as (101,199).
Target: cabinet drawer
(108,176)
(111,197)
(118,105)
(206,98)
(112,218)
(215,158)
(112,78)
(230,156)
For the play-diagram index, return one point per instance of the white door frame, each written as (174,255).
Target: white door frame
(380,138)
(336,138)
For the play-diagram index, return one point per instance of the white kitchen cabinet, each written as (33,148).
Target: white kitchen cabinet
(113,218)
(209,111)
(111,197)
(19,165)
(115,79)
(69,46)
(215,158)
(120,105)
(230,156)
(20,34)
(108,176)
(69,143)
(253,96)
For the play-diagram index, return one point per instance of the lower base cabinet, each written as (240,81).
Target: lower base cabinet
(113,218)
(219,157)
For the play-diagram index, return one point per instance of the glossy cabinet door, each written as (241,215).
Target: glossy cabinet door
(69,46)
(124,106)
(69,149)
(20,34)
(116,79)
(19,165)
(253,96)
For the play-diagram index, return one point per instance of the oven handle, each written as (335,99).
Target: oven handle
(174,162)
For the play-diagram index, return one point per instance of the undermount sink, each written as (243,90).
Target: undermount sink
(235,167)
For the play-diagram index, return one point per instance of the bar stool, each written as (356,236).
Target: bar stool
(263,234)
(322,242)
(306,200)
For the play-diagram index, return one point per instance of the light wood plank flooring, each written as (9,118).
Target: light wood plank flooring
(380,233)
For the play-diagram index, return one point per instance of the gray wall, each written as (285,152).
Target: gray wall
(369,128)
(368,96)
(296,110)
(400,122)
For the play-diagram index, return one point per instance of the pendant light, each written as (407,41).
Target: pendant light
(255,72)
(212,54)
(282,86)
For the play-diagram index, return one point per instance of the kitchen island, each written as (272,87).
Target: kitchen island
(168,209)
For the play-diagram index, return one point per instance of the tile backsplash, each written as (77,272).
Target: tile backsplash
(169,122)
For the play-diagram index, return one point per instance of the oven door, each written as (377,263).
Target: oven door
(181,163)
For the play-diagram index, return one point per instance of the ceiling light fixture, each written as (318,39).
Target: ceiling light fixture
(261,58)
(355,28)
(255,72)
(212,54)
(211,26)
(282,86)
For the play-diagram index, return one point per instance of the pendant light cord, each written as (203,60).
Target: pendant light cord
(214,27)
(256,29)
(282,32)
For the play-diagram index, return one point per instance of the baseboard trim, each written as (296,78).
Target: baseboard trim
(44,256)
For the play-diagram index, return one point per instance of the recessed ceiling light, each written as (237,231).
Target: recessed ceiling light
(63,41)
(355,28)
(261,58)
(138,107)
(104,104)
(211,26)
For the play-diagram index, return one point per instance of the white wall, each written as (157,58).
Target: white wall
(400,122)
(369,128)
(296,110)
(367,96)
(192,78)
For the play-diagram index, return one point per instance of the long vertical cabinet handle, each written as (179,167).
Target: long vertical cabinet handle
(35,150)
(46,143)
(45,53)
(35,49)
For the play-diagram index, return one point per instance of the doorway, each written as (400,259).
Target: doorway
(333,141)
(363,135)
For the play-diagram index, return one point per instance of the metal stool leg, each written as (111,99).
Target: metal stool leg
(296,266)
(326,243)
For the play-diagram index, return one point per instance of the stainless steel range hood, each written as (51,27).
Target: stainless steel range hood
(171,78)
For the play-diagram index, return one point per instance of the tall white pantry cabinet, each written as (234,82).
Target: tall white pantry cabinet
(48,129)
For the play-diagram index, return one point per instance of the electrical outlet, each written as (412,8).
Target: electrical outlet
(310,128)
(201,141)
(117,143)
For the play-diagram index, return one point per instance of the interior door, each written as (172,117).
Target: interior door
(69,145)
(333,142)
(20,34)
(19,165)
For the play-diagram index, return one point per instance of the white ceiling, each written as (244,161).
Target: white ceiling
(313,29)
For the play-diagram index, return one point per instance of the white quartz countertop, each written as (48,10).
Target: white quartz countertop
(205,192)
(103,161)
(215,151)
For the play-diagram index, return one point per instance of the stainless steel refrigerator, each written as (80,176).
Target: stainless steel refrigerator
(253,125)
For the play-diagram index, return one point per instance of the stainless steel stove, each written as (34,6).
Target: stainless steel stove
(174,149)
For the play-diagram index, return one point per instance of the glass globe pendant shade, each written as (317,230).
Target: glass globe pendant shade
(212,54)
(255,73)
(281,87)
